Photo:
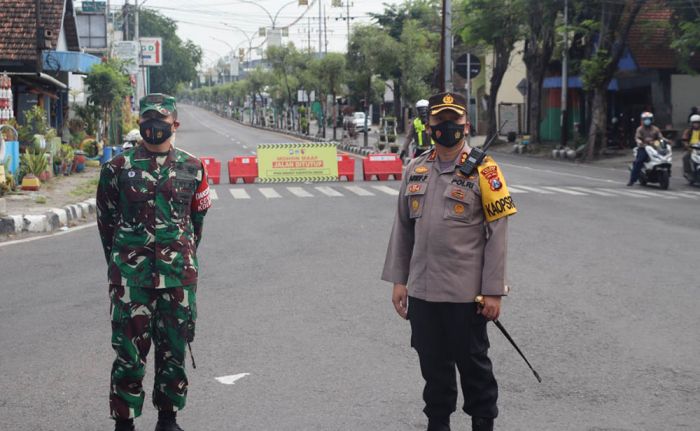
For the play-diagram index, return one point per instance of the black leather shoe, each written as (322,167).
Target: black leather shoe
(630,184)
(124,426)
(482,424)
(439,424)
(168,426)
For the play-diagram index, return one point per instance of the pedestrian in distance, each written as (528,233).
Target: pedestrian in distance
(151,203)
(417,133)
(447,246)
(647,133)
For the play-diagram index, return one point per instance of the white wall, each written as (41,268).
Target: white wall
(685,93)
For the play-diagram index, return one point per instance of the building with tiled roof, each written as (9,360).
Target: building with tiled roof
(40,52)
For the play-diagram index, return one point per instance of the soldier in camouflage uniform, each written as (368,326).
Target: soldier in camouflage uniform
(151,202)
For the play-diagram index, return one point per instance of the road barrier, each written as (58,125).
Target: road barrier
(346,167)
(213,168)
(243,167)
(382,166)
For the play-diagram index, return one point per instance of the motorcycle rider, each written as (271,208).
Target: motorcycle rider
(691,136)
(417,132)
(646,134)
(131,139)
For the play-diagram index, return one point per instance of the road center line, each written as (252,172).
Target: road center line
(359,191)
(299,192)
(269,193)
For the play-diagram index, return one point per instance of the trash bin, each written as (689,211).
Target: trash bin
(106,155)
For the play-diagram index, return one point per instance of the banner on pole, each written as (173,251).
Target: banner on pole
(298,162)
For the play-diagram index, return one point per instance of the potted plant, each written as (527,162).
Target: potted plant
(67,154)
(32,165)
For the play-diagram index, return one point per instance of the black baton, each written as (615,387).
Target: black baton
(480,300)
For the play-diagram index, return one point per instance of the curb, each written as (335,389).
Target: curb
(54,219)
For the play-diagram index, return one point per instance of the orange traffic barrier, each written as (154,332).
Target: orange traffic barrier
(346,167)
(243,167)
(382,165)
(213,168)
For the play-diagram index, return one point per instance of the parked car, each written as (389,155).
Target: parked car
(358,118)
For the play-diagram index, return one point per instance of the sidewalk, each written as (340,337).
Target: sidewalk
(61,203)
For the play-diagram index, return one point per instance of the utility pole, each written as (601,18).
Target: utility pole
(40,36)
(325,30)
(565,79)
(448,45)
(347,17)
(320,28)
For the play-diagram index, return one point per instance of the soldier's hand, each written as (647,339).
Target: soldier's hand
(491,308)
(400,299)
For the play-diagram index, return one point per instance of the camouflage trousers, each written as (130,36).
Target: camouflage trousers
(139,315)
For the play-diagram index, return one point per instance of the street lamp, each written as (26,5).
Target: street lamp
(248,38)
(273,20)
(230,78)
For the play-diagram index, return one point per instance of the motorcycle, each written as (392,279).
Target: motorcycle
(693,176)
(657,169)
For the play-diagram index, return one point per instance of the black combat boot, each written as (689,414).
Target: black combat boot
(439,424)
(167,422)
(124,425)
(482,424)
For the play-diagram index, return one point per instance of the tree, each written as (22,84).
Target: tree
(369,53)
(180,59)
(611,30)
(332,74)
(256,81)
(497,24)
(539,46)
(107,84)
(415,26)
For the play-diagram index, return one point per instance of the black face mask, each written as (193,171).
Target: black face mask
(155,132)
(448,133)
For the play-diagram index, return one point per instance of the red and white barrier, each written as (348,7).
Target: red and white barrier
(382,165)
(243,167)
(346,167)
(213,168)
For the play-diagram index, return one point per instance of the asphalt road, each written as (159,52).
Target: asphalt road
(604,303)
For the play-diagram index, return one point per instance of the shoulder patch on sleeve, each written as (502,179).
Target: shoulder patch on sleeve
(495,198)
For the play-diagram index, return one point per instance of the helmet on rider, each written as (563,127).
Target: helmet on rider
(131,139)
(647,118)
(422,108)
(695,119)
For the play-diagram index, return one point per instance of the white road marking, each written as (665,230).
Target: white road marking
(652,194)
(624,193)
(568,192)
(213,194)
(244,146)
(592,191)
(328,191)
(252,152)
(386,189)
(682,194)
(239,194)
(516,189)
(51,235)
(299,192)
(530,168)
(229,380)
(359,191)
(534,189)
(692,192)
(269,193)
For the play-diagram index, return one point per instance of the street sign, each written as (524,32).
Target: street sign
(522,87)
(299,162)
(151,51)
(94,6)
(128,51)
(474,65)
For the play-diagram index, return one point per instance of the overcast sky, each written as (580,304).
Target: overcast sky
(202,21)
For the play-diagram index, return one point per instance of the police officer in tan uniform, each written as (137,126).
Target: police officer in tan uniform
(448,245)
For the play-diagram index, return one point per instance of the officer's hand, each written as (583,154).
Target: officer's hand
(491,308)
(400,299)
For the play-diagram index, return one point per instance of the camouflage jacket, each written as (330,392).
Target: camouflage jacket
(150,210)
